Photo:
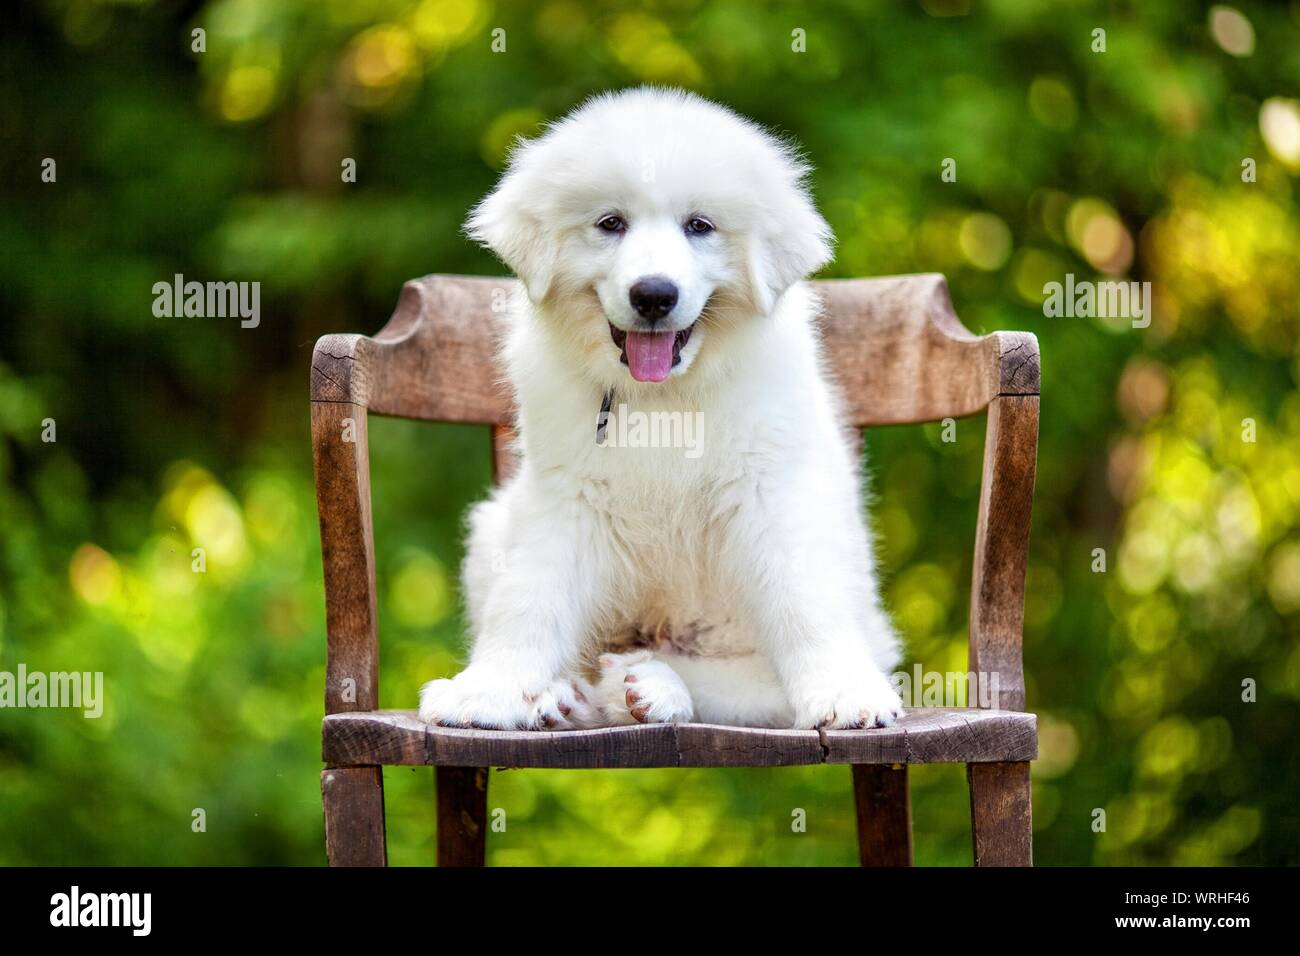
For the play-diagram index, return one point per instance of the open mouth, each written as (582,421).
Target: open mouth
(650,356)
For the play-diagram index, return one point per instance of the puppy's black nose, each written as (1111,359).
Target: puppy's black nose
(653,297)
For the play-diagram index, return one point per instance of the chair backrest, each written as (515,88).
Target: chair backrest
(896,348)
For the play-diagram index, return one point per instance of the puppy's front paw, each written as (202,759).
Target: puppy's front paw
(634,687)
(476,699)
(473,700)
(565,705)
(849,702)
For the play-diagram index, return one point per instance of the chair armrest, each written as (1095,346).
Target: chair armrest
(917,362)
(434,359)
(340,369)
(901,355)
(1001,372)
(925,365)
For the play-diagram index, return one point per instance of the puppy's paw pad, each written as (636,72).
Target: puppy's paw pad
(563,705)
(654,694)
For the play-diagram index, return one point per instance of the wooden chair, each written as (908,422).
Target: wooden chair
(900,355)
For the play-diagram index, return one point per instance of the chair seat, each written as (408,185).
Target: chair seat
(922,735)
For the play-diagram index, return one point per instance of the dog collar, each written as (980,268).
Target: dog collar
(602,419)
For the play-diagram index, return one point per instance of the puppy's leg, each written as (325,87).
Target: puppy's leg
(532,576)
(485,556)
(640,687)
(803,569)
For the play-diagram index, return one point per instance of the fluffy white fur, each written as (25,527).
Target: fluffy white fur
(607,585)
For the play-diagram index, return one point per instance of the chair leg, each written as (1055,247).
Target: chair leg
(354,816)
(1000,813)
(884,807)
(462,815)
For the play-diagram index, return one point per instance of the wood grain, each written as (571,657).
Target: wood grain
(354,816)
(1001,815)
(938,735)
(884,811)
(924,735)
(900,355)
(894,344)
(462,815)
(347,551)
(997,606)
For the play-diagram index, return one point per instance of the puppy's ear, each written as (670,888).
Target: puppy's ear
(793,242)
(509,222)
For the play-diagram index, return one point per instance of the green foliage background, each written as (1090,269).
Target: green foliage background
(178,433)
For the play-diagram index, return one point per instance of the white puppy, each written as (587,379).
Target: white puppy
(723,574)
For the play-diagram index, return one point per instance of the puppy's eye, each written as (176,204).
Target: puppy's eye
(611,223)
(698,226)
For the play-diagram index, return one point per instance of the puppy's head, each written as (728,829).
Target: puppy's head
(648,222)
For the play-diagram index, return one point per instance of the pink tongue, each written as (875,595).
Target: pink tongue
(650,355)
